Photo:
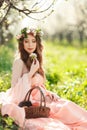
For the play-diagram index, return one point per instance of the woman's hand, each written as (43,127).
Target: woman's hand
(48,99)
(34,67)
(52,97)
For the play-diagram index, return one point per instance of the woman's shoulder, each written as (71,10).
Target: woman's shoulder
(18,61)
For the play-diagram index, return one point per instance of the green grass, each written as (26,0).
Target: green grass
(6,60)
(66,72)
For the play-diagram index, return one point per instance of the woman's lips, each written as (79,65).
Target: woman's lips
(30,48)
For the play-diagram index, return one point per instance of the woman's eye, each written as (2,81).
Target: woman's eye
(34,41)
(26,41)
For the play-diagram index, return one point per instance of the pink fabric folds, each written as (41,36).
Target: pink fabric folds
(64,115)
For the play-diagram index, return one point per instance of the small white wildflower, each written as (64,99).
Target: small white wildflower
(33,56)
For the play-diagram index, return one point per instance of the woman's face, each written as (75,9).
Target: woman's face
(30,44)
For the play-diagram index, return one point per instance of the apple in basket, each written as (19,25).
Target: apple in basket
(25,103)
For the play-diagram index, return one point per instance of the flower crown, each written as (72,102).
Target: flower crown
(25,31)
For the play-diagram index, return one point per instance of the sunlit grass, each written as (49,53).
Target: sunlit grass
(66,71)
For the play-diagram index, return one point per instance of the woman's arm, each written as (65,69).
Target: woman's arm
(34,68)
(51,96)
(16,71)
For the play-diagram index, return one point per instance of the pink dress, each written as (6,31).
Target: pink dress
(64,114)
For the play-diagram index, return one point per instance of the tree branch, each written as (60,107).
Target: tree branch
(5,14)
(34,11)
(40,18)
(26,11)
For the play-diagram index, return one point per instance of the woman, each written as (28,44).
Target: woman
(28,73)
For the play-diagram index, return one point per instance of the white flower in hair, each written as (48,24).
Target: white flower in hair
(33,56)
(28,31)
(39,32)
(33,31)
(25,31)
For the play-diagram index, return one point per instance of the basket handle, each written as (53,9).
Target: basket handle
(42,95)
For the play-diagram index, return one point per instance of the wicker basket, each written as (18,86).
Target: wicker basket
(36,111)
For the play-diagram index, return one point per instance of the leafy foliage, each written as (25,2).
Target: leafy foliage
(6,123)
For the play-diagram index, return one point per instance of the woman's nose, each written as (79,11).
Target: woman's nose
(30,43)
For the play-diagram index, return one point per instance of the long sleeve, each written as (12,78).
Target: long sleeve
(16,71)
